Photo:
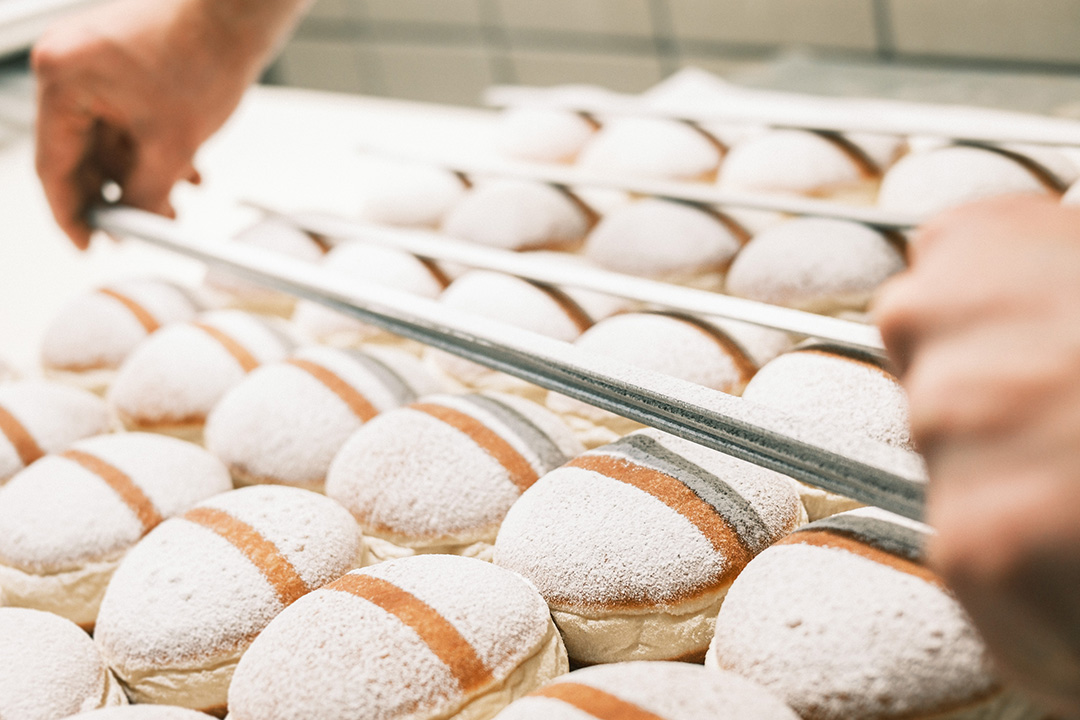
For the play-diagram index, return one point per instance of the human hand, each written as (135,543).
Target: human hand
(127,93)
(985,331)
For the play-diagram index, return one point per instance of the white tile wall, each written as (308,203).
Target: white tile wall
(456,75)
(625,73)
(612,17)
(825,23)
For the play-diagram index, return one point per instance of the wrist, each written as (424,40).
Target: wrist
(247,31)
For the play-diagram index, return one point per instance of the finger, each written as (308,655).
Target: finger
(150,181)
(63,137)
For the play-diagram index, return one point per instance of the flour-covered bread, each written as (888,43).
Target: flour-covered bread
(286,421)
(543,134)
(645,690)
(67,520)
(798,162)
(432,636)
(634,544)
(50,669)
(367,263)
(815,264)
(680,346)
(188,599)
(275,235)
(652,148)
(519,215)
(924,183)
(838,390)
(37,418)
(532,306)
(665,240)
(438,476)
(842,620)
(92,335)
(144,712)
(171,381)
(412,196)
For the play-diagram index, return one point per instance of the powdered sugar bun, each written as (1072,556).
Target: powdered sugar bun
(925,183)
(761,344)
(66,521)
(412,196)
(284,423)
(272,234)
(51,669)
(815,264)
(596,305)
(171,381)
(634,544)
(144,712)
(652,148)
(92,334)
(519,215)
(438,476)
(838,389)
(666,240)
(367,263)
(37,418)
(841,619)
(469,637)
(543,134)
(680,346)
(188,599)
(800,162)
(649,691)
(540,308)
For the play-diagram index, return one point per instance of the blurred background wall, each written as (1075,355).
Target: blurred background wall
(450,50)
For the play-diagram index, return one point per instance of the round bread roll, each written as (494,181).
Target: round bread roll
(144,712)
(432,636)
(92,334)
(618,594)
(800,162)
(543,134)
(66,521)
(540,308)
(284,423)
(842,620)
(649,691)
(519,215)
(438,476)
(170,383)
(272,234)
(815,264)
(51,669)
(680,346)
(665,240)
(373,264)
(188,599)
(37,418)
(596,305)
(410,195)
(652,148)
(924,183)
(838,389)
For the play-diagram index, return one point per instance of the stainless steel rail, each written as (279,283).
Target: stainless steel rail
(868,471)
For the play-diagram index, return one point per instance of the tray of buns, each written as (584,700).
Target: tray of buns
(592,426)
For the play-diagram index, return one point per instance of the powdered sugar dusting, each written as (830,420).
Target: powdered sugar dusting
(815,264)
(839,635)
(144,712)
(517,215)
(179,373)
(924,183)
(338,656)
(588,540)
(281,424)
(646,147)
(56,515)
(97,331)
(413,476)
(542,134)
(412,195)
(54,415)
(674,690)
(276,235)
(794,161)
(660,238)
(51,668)
(185,594)
(835,392)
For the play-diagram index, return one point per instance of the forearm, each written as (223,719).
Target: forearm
(253,29)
